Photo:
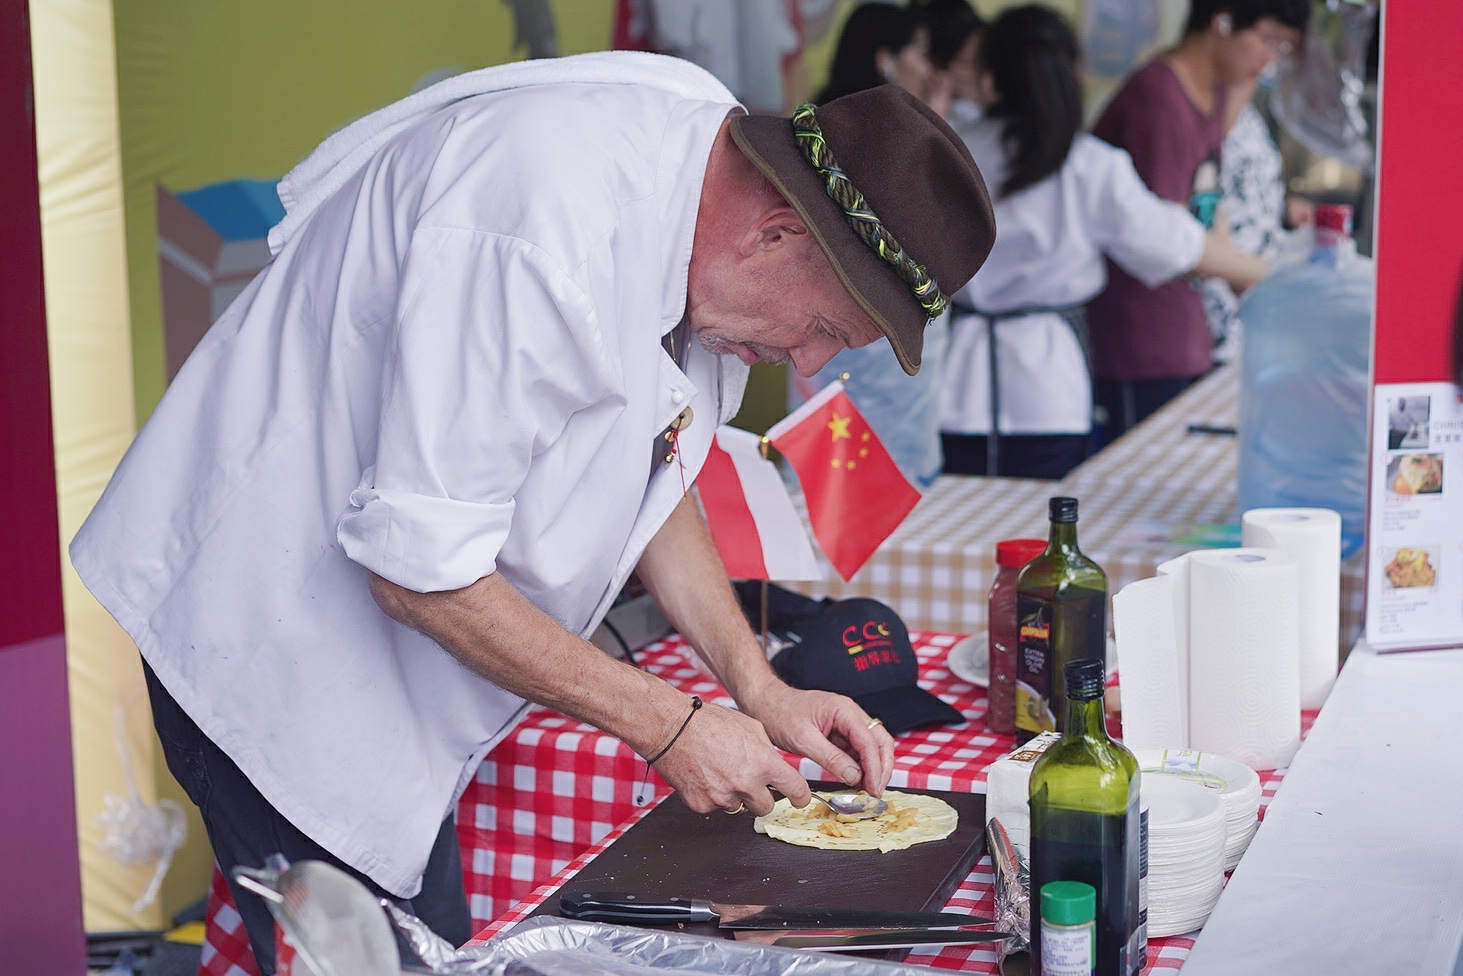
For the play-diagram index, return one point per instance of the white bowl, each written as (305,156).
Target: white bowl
(1237,785)
(1178,806)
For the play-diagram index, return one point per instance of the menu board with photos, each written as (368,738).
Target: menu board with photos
(1415,572)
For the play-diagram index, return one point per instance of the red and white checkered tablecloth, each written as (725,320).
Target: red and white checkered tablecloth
(556,792)
(976,896)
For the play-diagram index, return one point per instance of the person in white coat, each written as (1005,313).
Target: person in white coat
(409,469)
(1016,397)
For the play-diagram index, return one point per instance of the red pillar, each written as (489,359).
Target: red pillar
(1419,247)
(40,876)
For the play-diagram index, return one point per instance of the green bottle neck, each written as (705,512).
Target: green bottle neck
(1063,538)
(1085,719)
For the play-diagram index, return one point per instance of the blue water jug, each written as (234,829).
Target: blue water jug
(1306,381)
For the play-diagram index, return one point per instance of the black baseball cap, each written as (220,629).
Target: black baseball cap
(860,648)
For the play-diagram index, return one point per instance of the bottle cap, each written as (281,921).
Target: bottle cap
(1334,216)
(1068,902)
(1062,509)
(1018,552)
(1086,677)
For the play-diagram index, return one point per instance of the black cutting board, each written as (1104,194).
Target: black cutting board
(675,851)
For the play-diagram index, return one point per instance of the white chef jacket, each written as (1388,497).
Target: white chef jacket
(1050,243)
(453,367)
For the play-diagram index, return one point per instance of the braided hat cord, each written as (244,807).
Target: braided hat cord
(863,220)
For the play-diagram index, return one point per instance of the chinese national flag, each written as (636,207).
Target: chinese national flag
(855,493)
(752,520)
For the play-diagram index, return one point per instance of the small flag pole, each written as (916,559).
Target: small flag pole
(765,444)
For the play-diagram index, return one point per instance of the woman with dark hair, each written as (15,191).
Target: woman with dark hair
(880,44)
(954,28)
(1016,396)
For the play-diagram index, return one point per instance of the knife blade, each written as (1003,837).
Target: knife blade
(864,940)
(632,909)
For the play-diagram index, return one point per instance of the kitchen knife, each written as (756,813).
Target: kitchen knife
(630,909)
(857,940)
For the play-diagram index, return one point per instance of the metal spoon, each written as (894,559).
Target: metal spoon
(859,806)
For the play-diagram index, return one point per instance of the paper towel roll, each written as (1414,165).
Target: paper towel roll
(1244,655)
(1178,571)
(1311,536)
(1154,700)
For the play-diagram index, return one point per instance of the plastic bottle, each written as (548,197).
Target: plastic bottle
(1068,928)
(1085,823)
(1307,357)
(1061,609)
(1001,631)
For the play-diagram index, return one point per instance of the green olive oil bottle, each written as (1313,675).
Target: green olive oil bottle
(1085,824)
(1061,612)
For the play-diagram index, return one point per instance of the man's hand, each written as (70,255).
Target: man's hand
(725,758)
(830,730)
(681,569)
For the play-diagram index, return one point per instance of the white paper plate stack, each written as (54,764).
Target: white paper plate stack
(1186,830)
(1238,787)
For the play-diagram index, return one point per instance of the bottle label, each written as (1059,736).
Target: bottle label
(1034,666)
(1142,933)
(1068,950)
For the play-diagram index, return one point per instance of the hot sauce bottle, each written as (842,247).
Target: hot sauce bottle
(1001,630)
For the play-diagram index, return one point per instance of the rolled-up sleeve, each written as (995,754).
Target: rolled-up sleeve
(1152,239)
(493,349)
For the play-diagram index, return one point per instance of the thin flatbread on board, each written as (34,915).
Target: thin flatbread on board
(912,818)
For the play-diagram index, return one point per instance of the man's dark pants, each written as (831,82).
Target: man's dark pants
(244,829)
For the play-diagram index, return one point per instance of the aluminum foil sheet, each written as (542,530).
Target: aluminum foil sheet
(1013,899)
(547,946)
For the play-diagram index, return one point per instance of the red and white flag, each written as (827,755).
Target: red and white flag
(855,493)
(752,519)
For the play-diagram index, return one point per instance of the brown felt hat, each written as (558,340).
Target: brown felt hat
(916,176)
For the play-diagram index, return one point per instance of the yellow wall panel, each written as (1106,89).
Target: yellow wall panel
(92,410)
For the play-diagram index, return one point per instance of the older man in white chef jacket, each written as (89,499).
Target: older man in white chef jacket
(412,465)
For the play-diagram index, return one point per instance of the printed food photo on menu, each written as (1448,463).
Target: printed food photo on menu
(1415,474)
(1411,567)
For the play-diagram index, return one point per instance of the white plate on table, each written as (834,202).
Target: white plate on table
(970,659)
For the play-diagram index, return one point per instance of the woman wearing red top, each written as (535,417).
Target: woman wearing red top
(1148,344)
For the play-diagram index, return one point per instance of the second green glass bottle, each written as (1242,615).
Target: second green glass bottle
(1061,609)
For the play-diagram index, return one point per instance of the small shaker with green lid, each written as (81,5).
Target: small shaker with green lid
(1068,928)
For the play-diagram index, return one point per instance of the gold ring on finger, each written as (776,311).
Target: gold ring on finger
(874,722)
(740,807)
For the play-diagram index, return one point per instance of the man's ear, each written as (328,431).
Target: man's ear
(777,227)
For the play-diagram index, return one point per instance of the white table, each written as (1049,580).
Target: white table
(1358,867)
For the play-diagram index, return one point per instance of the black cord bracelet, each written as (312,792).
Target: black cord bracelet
(695,706)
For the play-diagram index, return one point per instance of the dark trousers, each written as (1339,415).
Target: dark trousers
(1124,404)
(245,829)
(1048,456)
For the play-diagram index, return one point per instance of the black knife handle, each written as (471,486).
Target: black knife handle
(619,906)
